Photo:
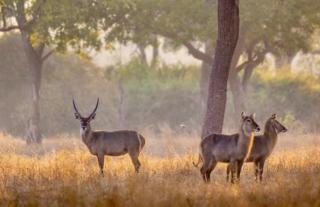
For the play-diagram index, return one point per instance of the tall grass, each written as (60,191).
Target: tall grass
(63,173)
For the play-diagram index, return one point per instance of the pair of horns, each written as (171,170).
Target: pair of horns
(93,112)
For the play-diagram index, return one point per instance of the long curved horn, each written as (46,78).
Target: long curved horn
(75,107)
(95,109)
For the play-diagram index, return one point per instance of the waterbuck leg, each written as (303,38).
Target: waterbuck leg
(233,166)
(204,169)
(101,162)
(239,167)
(208,163)
(261,166)
(135,161)
(228,172)
(256,170)
(208,172)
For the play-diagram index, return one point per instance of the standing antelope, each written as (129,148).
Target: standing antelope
(228,148)
(101,143)
(263,145)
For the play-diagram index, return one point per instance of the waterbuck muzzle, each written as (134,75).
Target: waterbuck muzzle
(277,125)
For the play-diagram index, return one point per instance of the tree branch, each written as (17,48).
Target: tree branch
(243,65)
(35,16)
(196,53)
(45,57)
(315,52)
(39,49)
(7,29)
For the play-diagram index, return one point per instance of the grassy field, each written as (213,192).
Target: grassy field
(63,173)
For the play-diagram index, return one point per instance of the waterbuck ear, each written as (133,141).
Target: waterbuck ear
(253,115)
(243,115)
(76,115)
(274,116)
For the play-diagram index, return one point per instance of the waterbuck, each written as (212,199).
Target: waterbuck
(263,146)
(101,143)
(228,148)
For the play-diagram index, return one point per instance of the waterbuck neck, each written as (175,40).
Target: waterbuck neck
(86,134)
(245,142)
(270,134)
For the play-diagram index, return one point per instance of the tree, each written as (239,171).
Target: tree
(228,31)
(279,27)
(27,15)
(40,26)
(264,27)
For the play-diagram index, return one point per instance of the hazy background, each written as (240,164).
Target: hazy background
(141,58)
(166,95)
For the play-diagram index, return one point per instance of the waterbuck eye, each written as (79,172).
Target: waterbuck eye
(249,120)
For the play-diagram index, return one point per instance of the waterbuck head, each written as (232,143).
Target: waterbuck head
(85,121)
(248,124)
(274,124)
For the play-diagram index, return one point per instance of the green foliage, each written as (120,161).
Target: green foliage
(64,78)
(294,96)
(279,26)
(182,20)
(135,73)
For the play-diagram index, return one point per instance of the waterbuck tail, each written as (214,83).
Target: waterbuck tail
(142,141)
(199,160)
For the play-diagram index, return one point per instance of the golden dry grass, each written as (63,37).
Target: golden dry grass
(63,173)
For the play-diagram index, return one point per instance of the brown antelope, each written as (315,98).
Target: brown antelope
(263,146)
(227,148)
(101,143)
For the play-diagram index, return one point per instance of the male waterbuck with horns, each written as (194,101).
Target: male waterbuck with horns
(101,143)
(228,148)
(263,146)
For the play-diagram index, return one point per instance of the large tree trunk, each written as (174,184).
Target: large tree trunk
(247,76)
(228,31)
(120,104)
(143,55)
(34,59)
(155,52)
(205,73)
(35,71)
(206,67)
(238,94)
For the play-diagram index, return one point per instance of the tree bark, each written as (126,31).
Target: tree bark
(34,59)
(283,60)
(120,103)
(143,56)
(238,94)
(228,31)
(155,52)
(205,73)
(246,77)
(35,71)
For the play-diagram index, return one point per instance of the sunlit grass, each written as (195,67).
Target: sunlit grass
(63,173)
